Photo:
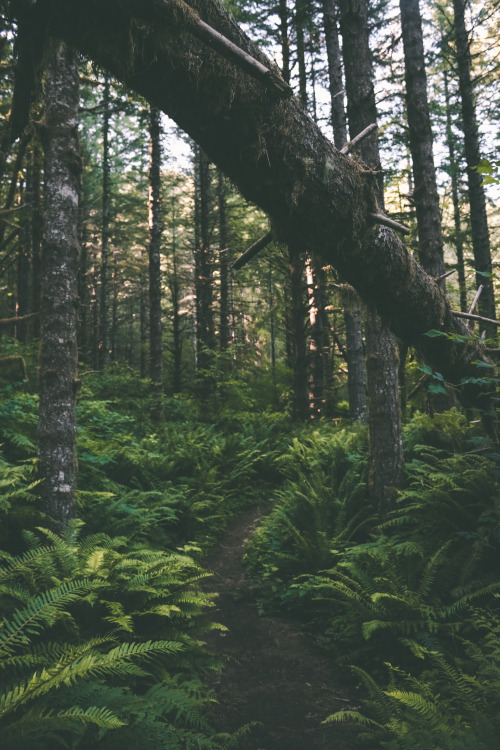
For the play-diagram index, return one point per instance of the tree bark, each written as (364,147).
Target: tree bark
(298,317)
(454,172)
(58,350)
(384,415)
(356,374)
(104,344)
(205,337)
(477,200)
(425,194)
(224,328)
(336,85)
(355,357)
(272,151)
(155,232)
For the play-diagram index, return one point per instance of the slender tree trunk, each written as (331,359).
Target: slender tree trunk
(84,296)
(24,263)
(384,417)
(298,317)
(299,20)
(36,232)
(58,349)
(355,356)
(285,40)
(143,322)
(478,217)
(155,232)
(104,344)
(176,318)
(356,373)
(203,279)
(272,334)
(425,194)
(335,82)
(224,329)
(454,172)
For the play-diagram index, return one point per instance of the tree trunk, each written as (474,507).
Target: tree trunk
(386,448)
(203,276)
(224,328)
(425,194)
(285,40)
(24,263)
(335,83)
(454,172)
(299,20)
(155,231)
(384,416)
(176,318)
(298,316)
(478,218)
(356,374)
(104,344)
(272,151)
(355,357)
(58,350)
(36,231)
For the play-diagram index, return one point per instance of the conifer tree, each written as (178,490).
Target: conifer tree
(58,349)
(155,232)
(384,417)
(478,217)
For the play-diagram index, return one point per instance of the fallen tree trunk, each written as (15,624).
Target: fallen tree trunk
(271,149)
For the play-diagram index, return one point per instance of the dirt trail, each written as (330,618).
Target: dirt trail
(275,675)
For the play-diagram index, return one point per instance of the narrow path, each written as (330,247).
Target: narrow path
(275,675)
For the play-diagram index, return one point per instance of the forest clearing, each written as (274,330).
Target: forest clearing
(249,441)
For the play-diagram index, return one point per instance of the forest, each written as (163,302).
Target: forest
(249,434)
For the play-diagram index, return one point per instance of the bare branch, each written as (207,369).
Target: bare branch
(380,219)
(252,250)
(359,137)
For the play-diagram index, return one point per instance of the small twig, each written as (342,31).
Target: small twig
(230,50)
(6,322)
(478,294)
(252,250)
(357,138)
(8,211)
(445,275)
(419,386)
(380,219)
(339,93)
(469,316)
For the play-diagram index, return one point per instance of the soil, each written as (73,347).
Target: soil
(276,678)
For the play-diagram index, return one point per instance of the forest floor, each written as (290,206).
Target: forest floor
(275,676)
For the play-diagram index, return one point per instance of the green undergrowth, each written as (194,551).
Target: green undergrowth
(410,604)
(102,641)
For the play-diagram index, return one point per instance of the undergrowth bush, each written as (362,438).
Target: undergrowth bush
(412,602)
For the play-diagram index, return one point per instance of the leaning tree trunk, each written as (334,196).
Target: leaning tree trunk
(384,416)
(477,200)
(266,143)
(58,350)
(155,231)
(425,194)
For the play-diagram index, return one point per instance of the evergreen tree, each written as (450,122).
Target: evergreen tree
(58,349)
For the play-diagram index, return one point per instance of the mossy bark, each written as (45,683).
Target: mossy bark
(58,350)
(272,151)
